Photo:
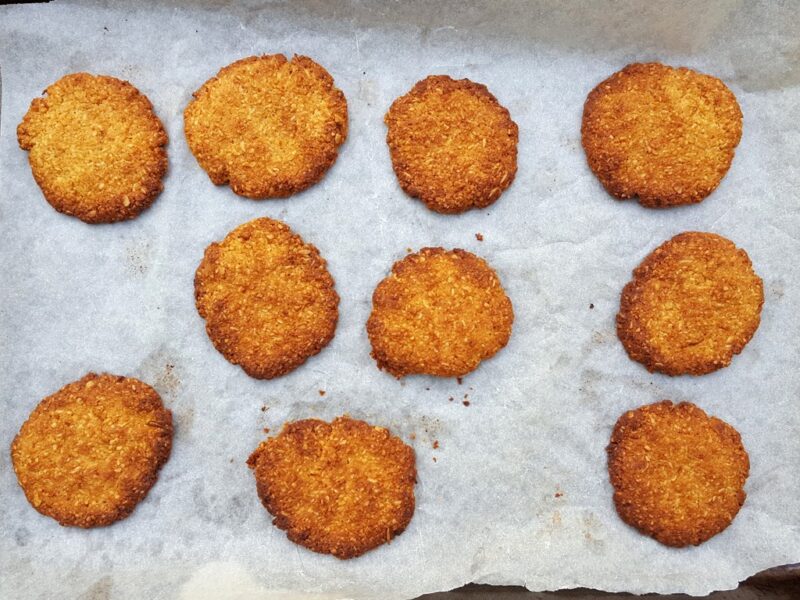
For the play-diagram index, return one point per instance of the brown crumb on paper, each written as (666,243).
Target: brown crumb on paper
(321,392)
(479,237)
(435,444)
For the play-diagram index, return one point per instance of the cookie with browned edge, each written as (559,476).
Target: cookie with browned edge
(452,144)
(96,148)
(268,126)
(267,298)
(692,304)
(678,474)
(340,488)
(88,454)
(439,312)
(661,134)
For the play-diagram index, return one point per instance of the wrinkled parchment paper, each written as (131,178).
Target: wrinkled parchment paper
(518,492)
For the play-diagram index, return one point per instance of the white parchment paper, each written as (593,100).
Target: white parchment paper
(518,493)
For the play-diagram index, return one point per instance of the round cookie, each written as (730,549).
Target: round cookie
(661,134)
(88,454)
(439,313)
(692,304)
(339,488)
(96,148)
(267,298)
(678,474)
(452,144)
(267,126)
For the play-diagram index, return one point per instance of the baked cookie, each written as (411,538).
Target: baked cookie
(439,312)
(339,488)
(96,148)
(661,134)
(452,144)
(692,304)
(678,474)
(267,298)
(88,454)
(267,126)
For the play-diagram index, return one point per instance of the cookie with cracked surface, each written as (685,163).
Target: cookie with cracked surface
(88,454)
(692,304)
(661,134)
(452,144)
(267,298)
(268,126)
(96,148)
(340,488)
(678,474)
(439,312)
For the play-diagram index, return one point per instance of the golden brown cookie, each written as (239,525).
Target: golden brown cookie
(339,488)
(661,134)
(268,126)
(267,298)
(440,313)
(96,148)
(678,474)
(453,145)
(88,454)
(692,304)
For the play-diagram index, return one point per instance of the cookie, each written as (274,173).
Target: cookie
(438,312)
(96,148)
(340,488)
(678,474)
(88,454)
(452,144)
(692,304)
(268,126)
(267,298)
(661,134)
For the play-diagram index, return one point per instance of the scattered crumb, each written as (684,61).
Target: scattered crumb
(409,250)
(264,409)
(459,380)
(322,392)
(559,494)
(266,429)
(434,459)
(479,237)
(435,444)
(413,436)
(466,396)
(427,389)
(591,306)
(465,403)
(231,461)
(450,398)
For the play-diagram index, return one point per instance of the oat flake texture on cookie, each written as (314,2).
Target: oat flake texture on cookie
(268,126)
(340,488)
(678,474)
(693,303)
(439,312)
(661,134)
(89,453)
(267,298)
(452,144)
(96,148)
